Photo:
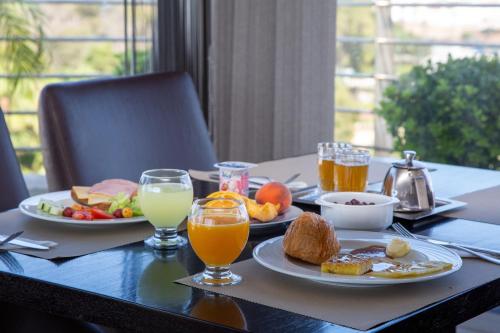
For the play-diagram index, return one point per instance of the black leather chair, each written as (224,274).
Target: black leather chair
(16,318)
(119,127)
(11,179)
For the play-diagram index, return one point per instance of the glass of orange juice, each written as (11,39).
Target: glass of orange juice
(218,231)
(351,170)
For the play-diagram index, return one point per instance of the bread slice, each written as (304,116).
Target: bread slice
(81,192)
(81,195)
(347,264)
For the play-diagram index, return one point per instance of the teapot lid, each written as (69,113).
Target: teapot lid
(409,162)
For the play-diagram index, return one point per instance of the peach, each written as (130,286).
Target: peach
(275,193)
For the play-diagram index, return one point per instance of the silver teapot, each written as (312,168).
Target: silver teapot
(410,182)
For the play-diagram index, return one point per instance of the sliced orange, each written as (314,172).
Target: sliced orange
(221,204)
(226,195)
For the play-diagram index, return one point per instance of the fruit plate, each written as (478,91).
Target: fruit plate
(29,207)
(291,214)
(270,255)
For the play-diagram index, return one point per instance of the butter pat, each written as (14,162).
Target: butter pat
(397,248)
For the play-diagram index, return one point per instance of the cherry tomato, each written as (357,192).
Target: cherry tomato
(88,215)
(127,212)
(78,215)
(99,214)
(68,212)
(118,213)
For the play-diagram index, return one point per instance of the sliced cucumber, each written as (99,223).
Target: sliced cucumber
(55,210)
(50,207)
(40,205)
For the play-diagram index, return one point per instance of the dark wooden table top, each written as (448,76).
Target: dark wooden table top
(131,287)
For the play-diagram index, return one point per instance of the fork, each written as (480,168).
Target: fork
(405,233)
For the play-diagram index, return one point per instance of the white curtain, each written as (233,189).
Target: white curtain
(271,77)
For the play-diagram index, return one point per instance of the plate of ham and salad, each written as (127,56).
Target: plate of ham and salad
(110,202)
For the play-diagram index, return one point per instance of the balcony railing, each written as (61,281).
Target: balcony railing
(375,40)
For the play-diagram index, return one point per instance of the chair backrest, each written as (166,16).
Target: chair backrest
(11,179)
(117,128)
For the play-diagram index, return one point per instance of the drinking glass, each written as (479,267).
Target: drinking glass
(326,157)
(351,170)
(218,231)
(165,196)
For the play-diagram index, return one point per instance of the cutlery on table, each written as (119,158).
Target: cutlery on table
(252,180)
(303,191)
(259,180)
(405,233)
(291,179)
(11,237)
(25,243)
(446,243)
(29,244)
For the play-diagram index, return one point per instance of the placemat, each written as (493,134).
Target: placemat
(359,308)
(72,240)
(280,170)
(482,206)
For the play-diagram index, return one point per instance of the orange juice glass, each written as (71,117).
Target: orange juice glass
(351,170)
(218,231)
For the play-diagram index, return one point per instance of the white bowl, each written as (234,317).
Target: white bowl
(359,217)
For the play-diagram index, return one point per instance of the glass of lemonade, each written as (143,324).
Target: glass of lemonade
(165,196)
(351,170)
(218,231)
(326,158)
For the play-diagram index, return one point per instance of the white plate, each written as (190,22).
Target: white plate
(291,214)
(270,255)
(29,207)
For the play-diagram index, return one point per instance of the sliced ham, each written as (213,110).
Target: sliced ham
(111,187)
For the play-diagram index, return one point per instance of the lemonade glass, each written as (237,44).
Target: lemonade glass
(165,196)
(218,231)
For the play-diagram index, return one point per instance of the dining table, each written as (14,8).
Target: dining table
(134,288)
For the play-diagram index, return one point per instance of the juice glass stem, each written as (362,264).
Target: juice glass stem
(217,276)
(165,239)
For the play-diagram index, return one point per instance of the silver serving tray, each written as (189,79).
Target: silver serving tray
(442,205)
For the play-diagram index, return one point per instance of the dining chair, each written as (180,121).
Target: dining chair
(11,179)
(119,127)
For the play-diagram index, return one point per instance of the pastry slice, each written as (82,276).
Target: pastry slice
(347,264)
(411,270)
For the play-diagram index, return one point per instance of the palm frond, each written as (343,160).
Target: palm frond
(21,51)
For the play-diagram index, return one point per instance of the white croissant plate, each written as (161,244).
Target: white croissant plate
(270,255)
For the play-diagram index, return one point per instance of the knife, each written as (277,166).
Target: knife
(474,248)
(28,245)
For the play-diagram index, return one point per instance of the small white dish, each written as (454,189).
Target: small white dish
(270,254)
(375,217)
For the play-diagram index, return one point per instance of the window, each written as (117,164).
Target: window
(81,39)
(379,40)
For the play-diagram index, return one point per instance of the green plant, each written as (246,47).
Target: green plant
(21,53)
(448,112)
(142,63)
(21,50)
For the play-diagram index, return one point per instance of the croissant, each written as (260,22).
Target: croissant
(310,238)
